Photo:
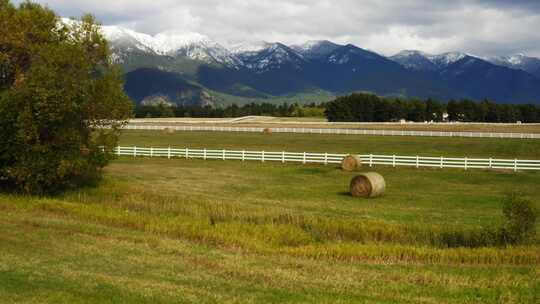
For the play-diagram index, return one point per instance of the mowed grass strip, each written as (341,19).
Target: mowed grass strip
(193,231)
(387,145)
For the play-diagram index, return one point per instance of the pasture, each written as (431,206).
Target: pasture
(195,231)
(388,145)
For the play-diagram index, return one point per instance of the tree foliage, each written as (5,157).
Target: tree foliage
(363,107)
(61,100)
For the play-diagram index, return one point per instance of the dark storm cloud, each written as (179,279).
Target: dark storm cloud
(482,27)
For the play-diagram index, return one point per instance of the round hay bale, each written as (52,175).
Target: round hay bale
(267,131)
(84,151)
(368,185)
(168,130)
(351,163)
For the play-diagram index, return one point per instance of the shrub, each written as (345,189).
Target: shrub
(520,220)
(519,225)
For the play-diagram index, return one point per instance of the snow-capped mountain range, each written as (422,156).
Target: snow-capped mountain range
(420,61)
(191,45)
(417,60)
(261,55)
(197,65)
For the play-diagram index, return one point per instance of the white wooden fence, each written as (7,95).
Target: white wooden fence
(328,158)
(337,131)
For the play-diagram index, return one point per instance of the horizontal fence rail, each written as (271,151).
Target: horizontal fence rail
(336,131)
(328,158)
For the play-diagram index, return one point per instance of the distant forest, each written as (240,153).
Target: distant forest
(371,108)
(360,107)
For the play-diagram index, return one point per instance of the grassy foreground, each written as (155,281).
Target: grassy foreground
(191,231)
(423,146)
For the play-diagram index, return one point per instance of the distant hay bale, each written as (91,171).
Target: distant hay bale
(351,163)
(85,151)
(267,131)
(368,185)
(168,130)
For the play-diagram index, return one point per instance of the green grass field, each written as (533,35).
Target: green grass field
(389,145)
(194,231)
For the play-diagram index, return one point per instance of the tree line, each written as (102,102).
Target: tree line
(259,109)
(361,107)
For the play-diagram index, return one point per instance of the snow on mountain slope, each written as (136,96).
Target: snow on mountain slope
(315,48)
(265,56)
(518,61)
(349,52)
(417,60)
(446,59)
(249,47)
(414,60)
(195,46)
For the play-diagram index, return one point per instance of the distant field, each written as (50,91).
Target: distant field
(193,231)
(424,146)
(319,122)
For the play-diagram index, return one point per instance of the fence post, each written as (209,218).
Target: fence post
(417,161)
(515,165)
(325,158)
(135,151)
(490,163)
(283,156)
(204,154)
(263,156)
(151,152)
(187,153)
(304,159)
(442,162)
(371,160)
(223,154)
(169,152)
(394,160)
(118,150)
(465,163)
(243,155)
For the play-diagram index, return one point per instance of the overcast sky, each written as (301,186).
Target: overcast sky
(479,27)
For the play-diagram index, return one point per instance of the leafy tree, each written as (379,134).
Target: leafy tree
(61,100)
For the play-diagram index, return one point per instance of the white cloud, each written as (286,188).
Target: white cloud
(483,27)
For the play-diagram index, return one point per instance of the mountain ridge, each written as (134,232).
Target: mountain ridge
(266,69)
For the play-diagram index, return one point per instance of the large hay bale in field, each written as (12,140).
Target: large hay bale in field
(351,163)
(267,131)
(168,130)
(368,185)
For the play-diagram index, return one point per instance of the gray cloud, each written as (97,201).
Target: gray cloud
(481,27)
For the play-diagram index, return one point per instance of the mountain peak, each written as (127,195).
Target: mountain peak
(249,47)
(315,49)
(415,60)
(170,41)
(409,53)
(446,59)
(265,56)
(520,62)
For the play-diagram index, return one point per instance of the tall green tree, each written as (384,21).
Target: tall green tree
(61,100)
